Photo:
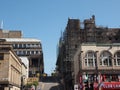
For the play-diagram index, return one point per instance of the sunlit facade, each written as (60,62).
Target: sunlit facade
(32,50)
(26,47)
(10,69)
(97,63)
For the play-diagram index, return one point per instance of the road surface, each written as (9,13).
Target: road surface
(49,83)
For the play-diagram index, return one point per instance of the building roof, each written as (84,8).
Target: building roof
(21,40)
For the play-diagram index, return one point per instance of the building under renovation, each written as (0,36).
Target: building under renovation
(26,47)
(76,33)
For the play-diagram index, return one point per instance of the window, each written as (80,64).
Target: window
(24,52)
(1,56)
(35,62)
(28,52)
(90,58)
(32,45)
(20,53)
(15,45)
(117,59)
(36,52)
(32,52)
(20,45)
(17,52)
(28,45)
(24,45)
(105,59)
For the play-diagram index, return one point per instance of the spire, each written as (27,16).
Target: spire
(93,17)
(1,25)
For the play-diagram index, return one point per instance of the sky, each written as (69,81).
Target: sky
(46,19)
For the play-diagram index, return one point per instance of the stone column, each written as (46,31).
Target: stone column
(97,60)
(113,64)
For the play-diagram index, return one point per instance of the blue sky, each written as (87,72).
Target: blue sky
(45,19)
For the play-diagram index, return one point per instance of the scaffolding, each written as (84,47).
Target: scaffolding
(76,33)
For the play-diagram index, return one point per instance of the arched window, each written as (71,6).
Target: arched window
(106,58)
(117,58)
(90,58)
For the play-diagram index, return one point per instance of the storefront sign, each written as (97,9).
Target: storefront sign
(110,85)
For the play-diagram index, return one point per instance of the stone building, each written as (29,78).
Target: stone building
(26,47)
(25,64)
(97,63)
(76,33)
(10,68)
(25,72)
(32,49)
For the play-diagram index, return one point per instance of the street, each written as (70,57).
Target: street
(49,83)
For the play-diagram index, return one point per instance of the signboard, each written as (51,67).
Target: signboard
(110,85)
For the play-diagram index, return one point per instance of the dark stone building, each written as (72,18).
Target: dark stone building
(76,33)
